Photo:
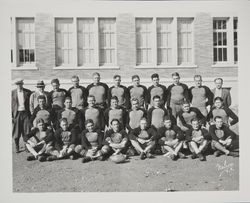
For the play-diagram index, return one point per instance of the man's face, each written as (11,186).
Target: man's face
(135,104)
(68,103)
(55,86)
(40,126)
(75,82)
(96,79)
(19,86)
(218,84)
(136,81)
(197,81)
(195,125)
(90,127)
(185,107)
(114,103)
(176,79)
(167,124)
(115,126)
(91,101)
(157,102)
(117,81)
(218,103)
(64,125)
(143,124)
(41,103)
(218,122)
(40,89)
(155,81)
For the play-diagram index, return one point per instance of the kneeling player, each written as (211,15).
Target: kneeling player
(91,143)
(222,138)
(170,138)
(39,141)
(143,139)
(197,138)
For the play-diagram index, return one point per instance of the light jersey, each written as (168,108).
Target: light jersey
(199,97)
(157,117)
(69,115)
(92,137)
(66,137)
(77,97)
(58,98)
(144,135)
(177,93)
(120,93)
(222,113)
(99,92)
(116,137)
(196,133)
(93,113)
(137,92)
(134,118)
(156,90)
(219,133)
(44,114)
(116,114)
(188,116)
(170,134)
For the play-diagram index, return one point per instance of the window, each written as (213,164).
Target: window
(64,41)
(85,37)
(107,41)
(25,41)
(235,40)
(185,41)
(143,41)
(164,41)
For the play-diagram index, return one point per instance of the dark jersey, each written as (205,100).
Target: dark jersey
(121,92)
(177,93)
(139,93)
(201,132)
(91,139)
(63,138)
(96,114)
(220,133)
(100,91)
(57,98)
(119,113)
(148,133)
(169,134)
(47,114)
(159,90)
(46,135)
(78,96)
(116,137)
(134,117)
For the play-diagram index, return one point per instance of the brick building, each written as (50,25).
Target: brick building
(126,38)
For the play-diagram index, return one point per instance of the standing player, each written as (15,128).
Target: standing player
(120,92)
(78,93)
(177,93)
(20,112)
(156,89)
(200,95)
(138,91)
(99,90)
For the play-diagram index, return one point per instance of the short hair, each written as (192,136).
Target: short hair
(91,96)
(218,98)
(156,97)
(89,121)
(195,119)
(135,76)
(116,76)
(55,80)
(167,118)
(198,76)
(67,98)
(143,119)
(75,77)
(175,74)
(63,120)
(217,117)
(39,120)
(155,75)
(113,120)
(41,97)
(95,73)
(134,99)
(114,98)
(185,102)
(218,79)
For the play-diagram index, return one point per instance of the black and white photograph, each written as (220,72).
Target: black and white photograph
(126,96)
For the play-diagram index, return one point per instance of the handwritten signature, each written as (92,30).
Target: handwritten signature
(225,168)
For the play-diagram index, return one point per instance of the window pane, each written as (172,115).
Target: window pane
(32,55)
(219,38)
(224,54)
(215,38)
(224,38)
(235,54)
(235,39)
(26,55)
(220,54)
(235,23)
(21,55)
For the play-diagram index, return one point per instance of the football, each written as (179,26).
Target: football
(119,158)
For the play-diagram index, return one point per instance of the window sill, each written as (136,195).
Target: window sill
(24,68)
(166,67)
(87,68)
(224,65)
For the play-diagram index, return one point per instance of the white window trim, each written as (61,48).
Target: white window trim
(14,64)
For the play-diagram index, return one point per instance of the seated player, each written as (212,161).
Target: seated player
(115,112)
(177,93)
(39,141)
(143,139)
(135,114)
(222,138)
(200,95)
(33,97)
(138,91)
(64,141)
(115,141)
(99,90)
(170,139)
(44,112)
(78,93)
(156,89)
(120,91)
(57,95)
(91,143)
(157,113)
(72,114)
(197,139)
(94,113)
(225,113)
